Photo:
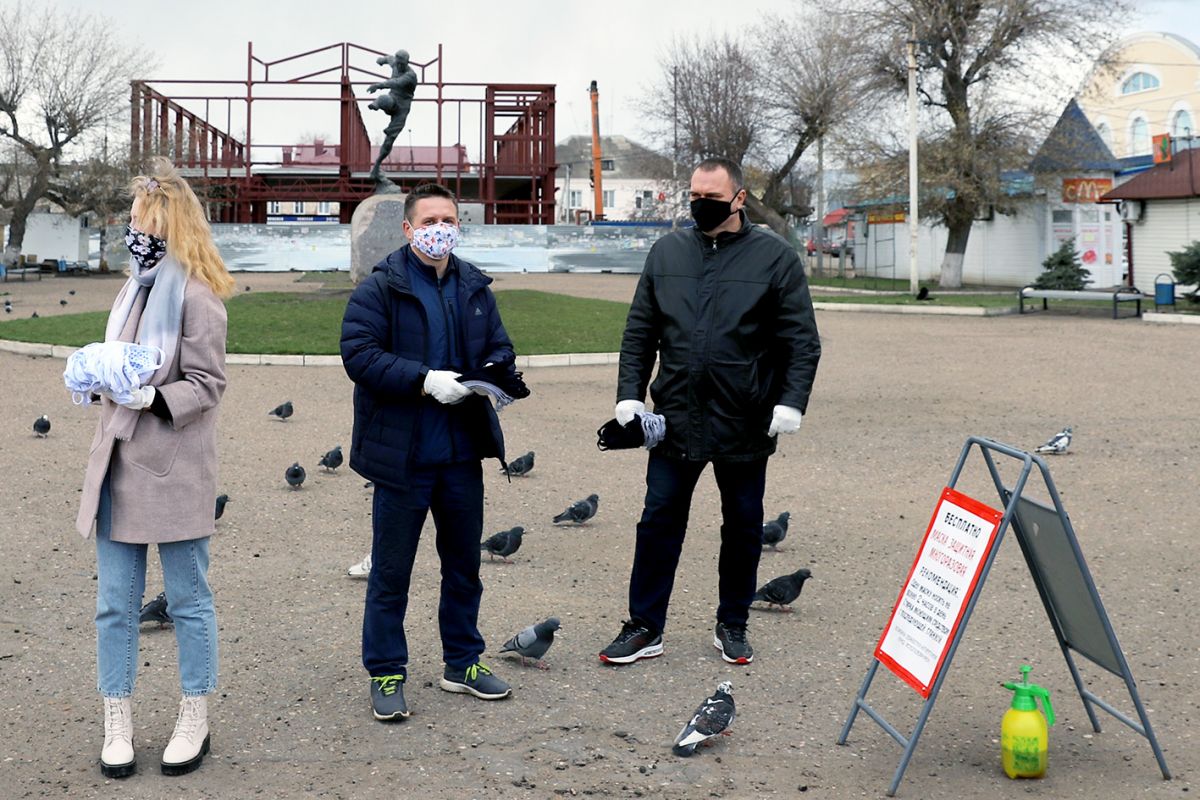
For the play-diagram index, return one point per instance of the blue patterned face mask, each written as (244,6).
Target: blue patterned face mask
(437,240)
(146,250)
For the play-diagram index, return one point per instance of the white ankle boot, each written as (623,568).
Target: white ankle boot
(189,742)
(117,759)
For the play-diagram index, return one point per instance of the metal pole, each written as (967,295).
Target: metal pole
(913,219)
(820,229)
(674,210)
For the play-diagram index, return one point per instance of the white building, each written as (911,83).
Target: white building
(635,181)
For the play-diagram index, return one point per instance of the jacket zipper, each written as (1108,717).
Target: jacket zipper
(449,351)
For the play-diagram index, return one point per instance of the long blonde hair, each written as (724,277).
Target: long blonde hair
(171,209)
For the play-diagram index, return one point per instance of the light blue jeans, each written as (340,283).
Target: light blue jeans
(121,582)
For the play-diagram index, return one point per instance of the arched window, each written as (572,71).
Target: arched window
(1139,137)
(1181,125)
(1139,82)
(1105,134)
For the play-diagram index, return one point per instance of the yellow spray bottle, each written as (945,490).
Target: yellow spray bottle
(1024,737)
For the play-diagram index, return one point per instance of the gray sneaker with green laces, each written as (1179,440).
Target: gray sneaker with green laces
(387,698)
(477,680)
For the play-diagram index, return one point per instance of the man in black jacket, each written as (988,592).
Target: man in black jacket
(725,309)
(418,321)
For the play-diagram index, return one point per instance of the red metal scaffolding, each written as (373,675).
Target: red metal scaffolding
(511,172)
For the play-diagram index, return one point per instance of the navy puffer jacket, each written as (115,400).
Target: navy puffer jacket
(385,335)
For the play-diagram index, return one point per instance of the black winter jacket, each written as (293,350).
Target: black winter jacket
(731,322)
(385,336)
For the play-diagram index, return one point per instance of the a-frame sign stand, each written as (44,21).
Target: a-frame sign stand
(1056,564)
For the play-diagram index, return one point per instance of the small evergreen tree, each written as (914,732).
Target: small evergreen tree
(1062,270)
(1186,266)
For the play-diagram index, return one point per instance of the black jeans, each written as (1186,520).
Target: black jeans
(669,486)
(454,493)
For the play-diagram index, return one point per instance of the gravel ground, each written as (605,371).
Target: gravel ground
(895,399)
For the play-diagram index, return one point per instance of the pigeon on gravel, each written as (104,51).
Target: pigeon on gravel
(222,499)
(775,531)
(156,611)
(332,460)
(520,466)
(282,411)
(713,718)
(783,590)
(295,475)
(71,292)
(63,302)
(1058,443)
(7,308)
(503,544)
(533,642)
(41,426)
(580,511)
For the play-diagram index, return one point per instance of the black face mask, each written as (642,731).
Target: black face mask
(710,213)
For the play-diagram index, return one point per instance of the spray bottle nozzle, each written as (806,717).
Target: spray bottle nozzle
(1025,695)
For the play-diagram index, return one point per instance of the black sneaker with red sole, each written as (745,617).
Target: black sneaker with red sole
(731,641)
(634,642)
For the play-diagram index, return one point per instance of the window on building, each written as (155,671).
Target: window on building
(608,198)
(273,207)
(606,165)
(1139,137)
(1181,125)
(1062,217)
(1139,82)
(297,208)
(643,199)
(576,200)
(323,207)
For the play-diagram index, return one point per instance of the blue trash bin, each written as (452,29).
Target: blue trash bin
(1164,292)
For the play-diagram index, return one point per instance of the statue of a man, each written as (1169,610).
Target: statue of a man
(401,86)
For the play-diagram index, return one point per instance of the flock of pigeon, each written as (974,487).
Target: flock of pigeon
(714,716)
(8,306)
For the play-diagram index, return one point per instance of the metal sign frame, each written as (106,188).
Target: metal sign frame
(1011,498)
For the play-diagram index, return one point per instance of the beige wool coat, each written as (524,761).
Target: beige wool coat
(164,479)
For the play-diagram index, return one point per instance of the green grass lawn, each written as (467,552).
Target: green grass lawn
(287,323)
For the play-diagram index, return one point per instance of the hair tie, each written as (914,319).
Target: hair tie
(151,185)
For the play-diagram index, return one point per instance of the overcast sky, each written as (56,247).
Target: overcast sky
(616,42)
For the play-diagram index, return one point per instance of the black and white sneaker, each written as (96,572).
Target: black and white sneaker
(633,642)
(387,698)
(731,641)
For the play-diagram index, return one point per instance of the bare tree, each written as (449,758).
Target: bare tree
(762,106)
(63,73)
(971,55)
(97,185)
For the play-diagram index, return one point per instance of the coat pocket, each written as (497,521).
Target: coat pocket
(153,449)
(733,389)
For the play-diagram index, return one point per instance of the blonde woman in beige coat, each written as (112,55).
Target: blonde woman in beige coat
(151,472)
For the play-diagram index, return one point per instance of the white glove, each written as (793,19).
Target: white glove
(785,420)
(442,384)
(140,398)
(627,409)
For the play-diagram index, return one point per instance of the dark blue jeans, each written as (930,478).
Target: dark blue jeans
(454,493)
(669,486)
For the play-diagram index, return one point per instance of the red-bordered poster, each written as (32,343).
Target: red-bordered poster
(943,577)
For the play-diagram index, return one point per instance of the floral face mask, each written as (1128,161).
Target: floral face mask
(437,240)
(146,250)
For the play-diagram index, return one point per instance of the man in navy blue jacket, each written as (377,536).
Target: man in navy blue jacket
(418,321)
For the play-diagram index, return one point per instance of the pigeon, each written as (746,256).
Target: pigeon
(923,294)
(71,292)
(520,466)
(156,611)
(1058,443)
(332,460)
(783,590)
(775,531)
(713,718)
(7,308)
(580,511)
(503,544)
(295,475)
(41,426)
(62,302)
(222,499)
(368,484)
(34,315)
(282,411)
(533,642)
